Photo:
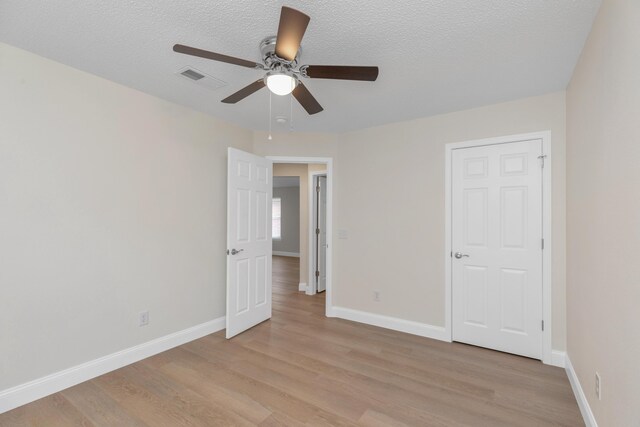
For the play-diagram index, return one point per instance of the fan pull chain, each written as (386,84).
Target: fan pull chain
(270,138)
(291,112)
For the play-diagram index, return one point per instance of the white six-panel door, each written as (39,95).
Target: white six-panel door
(497,247)
(249,193)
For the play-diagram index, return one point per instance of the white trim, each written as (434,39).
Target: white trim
(547,260)
(581,398)
(547,356)
(448,309)
(311,220)
(394,323)
(329,312)
(289,254)
(301,160)
(310,289)
(28,392)
(558,358)
(302,287)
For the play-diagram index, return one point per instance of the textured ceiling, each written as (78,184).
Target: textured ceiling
(435,56)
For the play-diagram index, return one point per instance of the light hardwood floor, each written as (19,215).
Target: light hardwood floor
(301,368)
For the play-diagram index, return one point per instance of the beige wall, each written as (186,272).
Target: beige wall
(317,168)
(603,214)
(111,202)
(389,197)
(296,144)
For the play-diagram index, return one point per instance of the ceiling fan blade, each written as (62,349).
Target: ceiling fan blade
(187,50)
(342,72)
(304,97)
(291,29)
(244,92)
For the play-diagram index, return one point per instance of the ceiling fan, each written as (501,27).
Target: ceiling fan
(280,56)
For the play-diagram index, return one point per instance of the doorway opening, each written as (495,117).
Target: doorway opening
(254,218)
(249,277)
(306,182)
(286,231)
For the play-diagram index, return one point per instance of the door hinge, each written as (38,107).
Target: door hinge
(543,325)
(317,273)
(317,231)
(542,244)
(542,157)
(317,189)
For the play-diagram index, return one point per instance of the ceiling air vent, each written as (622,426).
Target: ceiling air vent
(193,75)
(200,78)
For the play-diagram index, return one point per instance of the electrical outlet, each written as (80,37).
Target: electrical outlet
(598,387)
(376,296)
(143,320)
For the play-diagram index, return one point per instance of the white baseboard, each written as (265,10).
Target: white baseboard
(310,289)
(411,327)
(28,392)
(558,358)
(302,287)
(394,323)
(583,404)
(290,254)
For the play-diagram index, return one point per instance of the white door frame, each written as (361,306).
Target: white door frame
(546,230)
(311,286)
(329,162)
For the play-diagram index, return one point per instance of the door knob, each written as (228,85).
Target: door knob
(235,251)
(459,255)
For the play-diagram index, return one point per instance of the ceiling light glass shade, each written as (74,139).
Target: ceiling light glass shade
(281,84)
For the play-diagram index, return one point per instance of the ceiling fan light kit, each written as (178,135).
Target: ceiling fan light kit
(280,58)
(281,82)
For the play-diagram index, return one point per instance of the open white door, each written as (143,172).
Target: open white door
(249,192)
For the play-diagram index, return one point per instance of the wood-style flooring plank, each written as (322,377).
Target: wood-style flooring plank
(303,369)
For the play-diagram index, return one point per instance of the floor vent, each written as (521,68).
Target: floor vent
(200,78)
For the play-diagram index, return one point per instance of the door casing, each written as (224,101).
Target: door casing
(545,136)
(312,287)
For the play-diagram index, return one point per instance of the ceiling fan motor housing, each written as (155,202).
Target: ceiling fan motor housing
(278,67)
(269,57)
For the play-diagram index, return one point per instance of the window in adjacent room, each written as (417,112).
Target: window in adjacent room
(276,221)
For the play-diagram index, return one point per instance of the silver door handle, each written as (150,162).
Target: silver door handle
(459,255)
(234,251)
